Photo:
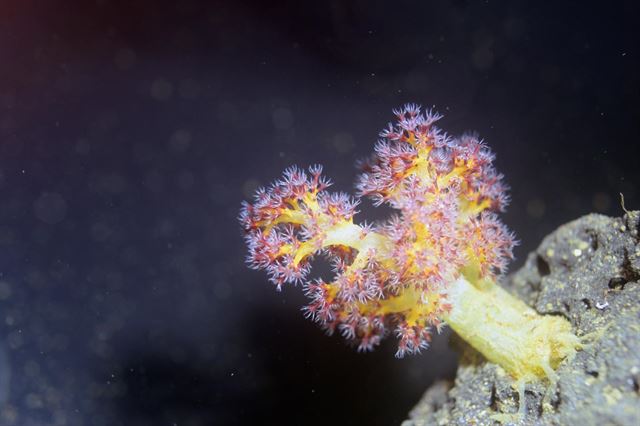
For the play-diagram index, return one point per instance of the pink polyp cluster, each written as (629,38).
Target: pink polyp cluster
(391,277)
(391,173)
(286,215)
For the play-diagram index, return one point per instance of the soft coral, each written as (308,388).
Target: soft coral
(394,276)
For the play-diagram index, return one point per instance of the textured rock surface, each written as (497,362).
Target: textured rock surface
(588,271)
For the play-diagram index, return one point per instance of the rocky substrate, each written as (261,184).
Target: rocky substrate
(588,271)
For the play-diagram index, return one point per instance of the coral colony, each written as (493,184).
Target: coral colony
(435,261)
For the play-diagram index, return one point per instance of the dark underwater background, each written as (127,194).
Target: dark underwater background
(130,132)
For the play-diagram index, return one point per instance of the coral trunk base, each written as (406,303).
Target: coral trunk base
(509,333)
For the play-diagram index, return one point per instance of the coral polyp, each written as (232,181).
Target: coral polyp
(392,277)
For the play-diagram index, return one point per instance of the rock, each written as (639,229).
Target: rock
(588,271)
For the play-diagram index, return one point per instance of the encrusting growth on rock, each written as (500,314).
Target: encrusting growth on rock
(435,261)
